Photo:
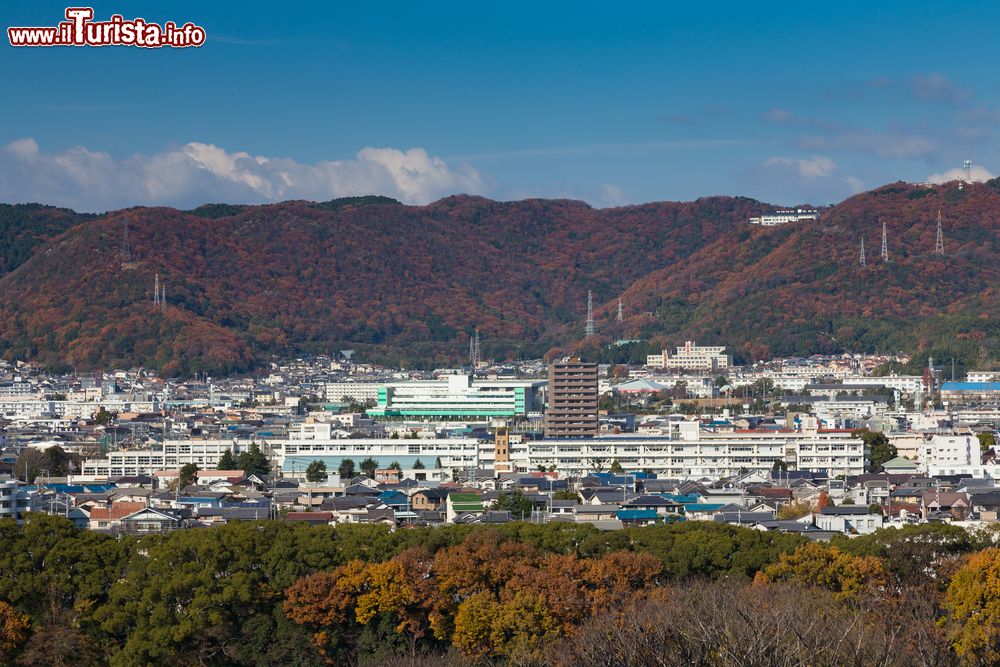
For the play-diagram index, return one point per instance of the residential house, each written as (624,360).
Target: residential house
(110,517)
(851,519)
(428,500)
(463,503)
(945,505)
(149,521)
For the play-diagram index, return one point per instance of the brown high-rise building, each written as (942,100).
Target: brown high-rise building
(572,410)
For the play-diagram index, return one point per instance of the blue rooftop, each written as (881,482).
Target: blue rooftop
(636,515)
(970,386)
(703,507)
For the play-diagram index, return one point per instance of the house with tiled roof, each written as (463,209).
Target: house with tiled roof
(148,520)
(110,517)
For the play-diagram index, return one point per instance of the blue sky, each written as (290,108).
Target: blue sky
(610,103)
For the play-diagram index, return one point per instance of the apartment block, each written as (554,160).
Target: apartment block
(572,408)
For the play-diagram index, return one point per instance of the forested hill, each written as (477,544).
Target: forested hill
(411,283)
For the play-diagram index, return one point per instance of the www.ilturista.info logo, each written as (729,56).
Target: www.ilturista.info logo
(79,29)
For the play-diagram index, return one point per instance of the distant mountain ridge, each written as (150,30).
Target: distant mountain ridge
(410,283)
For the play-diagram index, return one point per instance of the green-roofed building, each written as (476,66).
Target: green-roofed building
(463,503)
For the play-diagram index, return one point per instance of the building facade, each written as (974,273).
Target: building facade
(692,357)
(688,452)
(782,217)
(459,397)
(573,397)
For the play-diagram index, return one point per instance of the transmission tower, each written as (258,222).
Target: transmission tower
(126,249)
(589,331)
(967,165)
(862,251)
(474,356)
(621,315)
(156,290)
(939,244)
(885,245)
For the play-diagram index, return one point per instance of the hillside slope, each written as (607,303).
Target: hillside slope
(411,283)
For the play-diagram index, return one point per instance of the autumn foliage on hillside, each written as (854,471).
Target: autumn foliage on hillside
(411,283)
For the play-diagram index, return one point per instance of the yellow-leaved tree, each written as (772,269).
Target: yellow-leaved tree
(847,576)
(973,605)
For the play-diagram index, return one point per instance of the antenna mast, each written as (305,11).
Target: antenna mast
(621,315)
(589,331)
(885,245)
(939,244)
(156,290)
(863,251)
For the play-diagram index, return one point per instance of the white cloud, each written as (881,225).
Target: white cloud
(196,173)
(979,174)
(780,116)
(814,167)
(610,195)
(883,144)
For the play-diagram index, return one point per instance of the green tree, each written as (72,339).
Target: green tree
(253,461)
(29,463)
(227,461)
(57,461)
(369,466)
(346,469)
(566,494)
(102,417)
(515,502)
(879,448)
(395,466)
(794,510)
(187,474)
(987,441)
(316,471)
(616,467)
(418,465)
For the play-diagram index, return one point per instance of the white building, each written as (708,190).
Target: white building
(687,452)
(460,397)
(360,392)
(908,444)
(692,357)
(17,389)
(450,453)
(16,408)
(982,376)
(291,456)
(14,501)
(848,519)
(781,217)
(171,454)
(943,451)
